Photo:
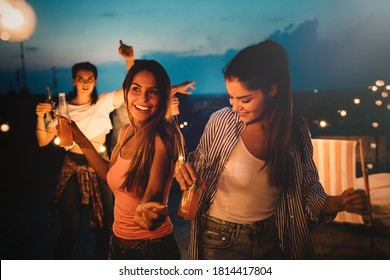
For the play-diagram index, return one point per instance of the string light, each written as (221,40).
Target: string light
(57,141)
(378,102)
(342,113)
(4,127)
(323,124)
(380,83)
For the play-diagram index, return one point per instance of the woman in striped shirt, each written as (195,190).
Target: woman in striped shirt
(262,189)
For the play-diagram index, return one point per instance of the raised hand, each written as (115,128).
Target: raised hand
(183,87)
(125,50)
(43,108)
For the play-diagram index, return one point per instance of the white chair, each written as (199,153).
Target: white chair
(336,164)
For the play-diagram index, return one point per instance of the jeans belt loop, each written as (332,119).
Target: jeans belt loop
(237,229)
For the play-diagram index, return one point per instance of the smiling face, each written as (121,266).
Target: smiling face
(251,105)
(84,81)
(142,97)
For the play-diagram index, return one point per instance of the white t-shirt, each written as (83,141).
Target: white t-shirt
(93,119)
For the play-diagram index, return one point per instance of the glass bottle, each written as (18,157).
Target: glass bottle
(64,131)
(49,99)
(190,197)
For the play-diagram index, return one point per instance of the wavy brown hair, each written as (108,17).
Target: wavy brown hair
(160,123)
(263,66)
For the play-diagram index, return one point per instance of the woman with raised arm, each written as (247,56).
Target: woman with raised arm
(78,185)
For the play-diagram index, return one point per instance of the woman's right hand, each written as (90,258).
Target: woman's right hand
(42,109)
(185,175)
(125,51)
(78,136)
(150,215)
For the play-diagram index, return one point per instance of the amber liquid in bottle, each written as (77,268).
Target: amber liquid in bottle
(64,131)
(190,197)
(189,202)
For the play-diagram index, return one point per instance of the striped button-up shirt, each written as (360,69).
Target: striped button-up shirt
(297,206)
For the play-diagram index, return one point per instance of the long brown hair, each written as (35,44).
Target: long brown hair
(160,123)
(263,66)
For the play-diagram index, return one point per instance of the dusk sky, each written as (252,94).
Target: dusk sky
(331,44)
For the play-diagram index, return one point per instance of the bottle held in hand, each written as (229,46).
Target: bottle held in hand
(190,197)
(49,99)
(64,131)
(189,201)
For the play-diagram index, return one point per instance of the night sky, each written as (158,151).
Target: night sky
(331,44)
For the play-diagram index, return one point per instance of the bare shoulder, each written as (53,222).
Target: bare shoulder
(166,136)
(122,132)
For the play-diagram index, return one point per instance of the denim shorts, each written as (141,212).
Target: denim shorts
(165,248)
(225,240)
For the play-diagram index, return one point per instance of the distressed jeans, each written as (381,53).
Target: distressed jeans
(222,240)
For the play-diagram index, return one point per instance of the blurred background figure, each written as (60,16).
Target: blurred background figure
(78,184)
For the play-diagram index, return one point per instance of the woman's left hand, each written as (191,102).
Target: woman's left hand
(150,215)
(355,201)
(183,88)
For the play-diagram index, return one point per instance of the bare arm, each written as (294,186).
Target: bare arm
(159,173)
(151,212)
(99,164)
(353,201)
(127,53)
(183,87)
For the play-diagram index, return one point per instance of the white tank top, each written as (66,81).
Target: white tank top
(243,194)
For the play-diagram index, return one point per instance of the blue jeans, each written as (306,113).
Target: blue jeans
(222,240)
(165,248)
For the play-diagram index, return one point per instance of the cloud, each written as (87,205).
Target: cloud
(354,59)
(358,56)
(108,15)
